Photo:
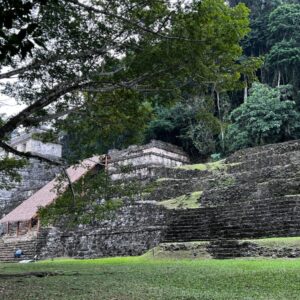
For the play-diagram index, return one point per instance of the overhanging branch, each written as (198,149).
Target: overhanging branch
(134,24)
(12,150)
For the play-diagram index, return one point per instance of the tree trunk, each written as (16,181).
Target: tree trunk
(246,91)
(221,122)
(279,78)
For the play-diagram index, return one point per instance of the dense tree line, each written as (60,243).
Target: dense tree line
(210,76)
(268,112)
(111,73)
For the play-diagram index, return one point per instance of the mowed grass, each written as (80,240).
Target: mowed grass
(144,278)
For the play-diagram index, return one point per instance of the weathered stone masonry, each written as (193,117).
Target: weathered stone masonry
(133,230)
(255,195)
(261,200)
(33,176)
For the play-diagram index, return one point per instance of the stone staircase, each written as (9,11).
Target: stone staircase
(9,246)
(254,195)
(30,243)
(261,200)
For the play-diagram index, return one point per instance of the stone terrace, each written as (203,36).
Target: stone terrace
(256,195)
(253,194)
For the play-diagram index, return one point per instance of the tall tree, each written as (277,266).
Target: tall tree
(108,46)
(283,60)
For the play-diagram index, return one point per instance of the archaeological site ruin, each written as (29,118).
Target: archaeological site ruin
(221,209)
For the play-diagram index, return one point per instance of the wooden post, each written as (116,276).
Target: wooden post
(7,228)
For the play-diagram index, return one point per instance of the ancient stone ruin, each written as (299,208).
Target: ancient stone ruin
(144,162)
(35,175)
(228,207)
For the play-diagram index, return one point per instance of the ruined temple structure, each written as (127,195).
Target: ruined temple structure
(252,195)
(146,161)
(22,222)
(35,175)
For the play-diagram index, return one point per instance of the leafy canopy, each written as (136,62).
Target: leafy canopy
(263,119)
(149,48)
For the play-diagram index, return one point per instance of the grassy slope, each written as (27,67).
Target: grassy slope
(217,165)
(142,278)
(278,242)
(185,201)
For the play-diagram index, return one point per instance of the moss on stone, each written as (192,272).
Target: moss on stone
(217,165)
(163,179)
(150,187)
(225,182)
(185,201)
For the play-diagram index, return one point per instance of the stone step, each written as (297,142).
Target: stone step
(259,175)
(9,246)
(169,189)
(265,162)
(239,193)
(178,173)
(276,216)
(264,151)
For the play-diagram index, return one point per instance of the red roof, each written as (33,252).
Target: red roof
(47,194)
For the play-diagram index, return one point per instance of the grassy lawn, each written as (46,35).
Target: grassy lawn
(143,278)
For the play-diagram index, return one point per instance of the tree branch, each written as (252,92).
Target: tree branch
(53,95)
(71,187)
(62,89)
(55,58)
(34,121)
(134,24)
(12,150)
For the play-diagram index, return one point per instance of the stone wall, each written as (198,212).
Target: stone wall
(140,159)
(25,143)
(251,198)
(234,248)
(256,195)
(274,217)
(221,249)
(34,176)
(134,229)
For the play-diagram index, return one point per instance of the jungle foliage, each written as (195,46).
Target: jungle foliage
(106,74)
(263,119)
(269,112)
(155,51)
(94,197)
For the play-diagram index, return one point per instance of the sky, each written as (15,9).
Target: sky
(8,105)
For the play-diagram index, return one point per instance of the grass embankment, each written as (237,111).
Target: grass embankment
(217,165)
(278,242)
(182,202)
(143,278)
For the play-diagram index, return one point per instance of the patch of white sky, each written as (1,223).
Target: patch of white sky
(9,106)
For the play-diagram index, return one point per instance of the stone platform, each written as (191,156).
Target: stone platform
(252,195)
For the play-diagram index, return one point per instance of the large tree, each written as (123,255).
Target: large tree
(104,47)
(283,60)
